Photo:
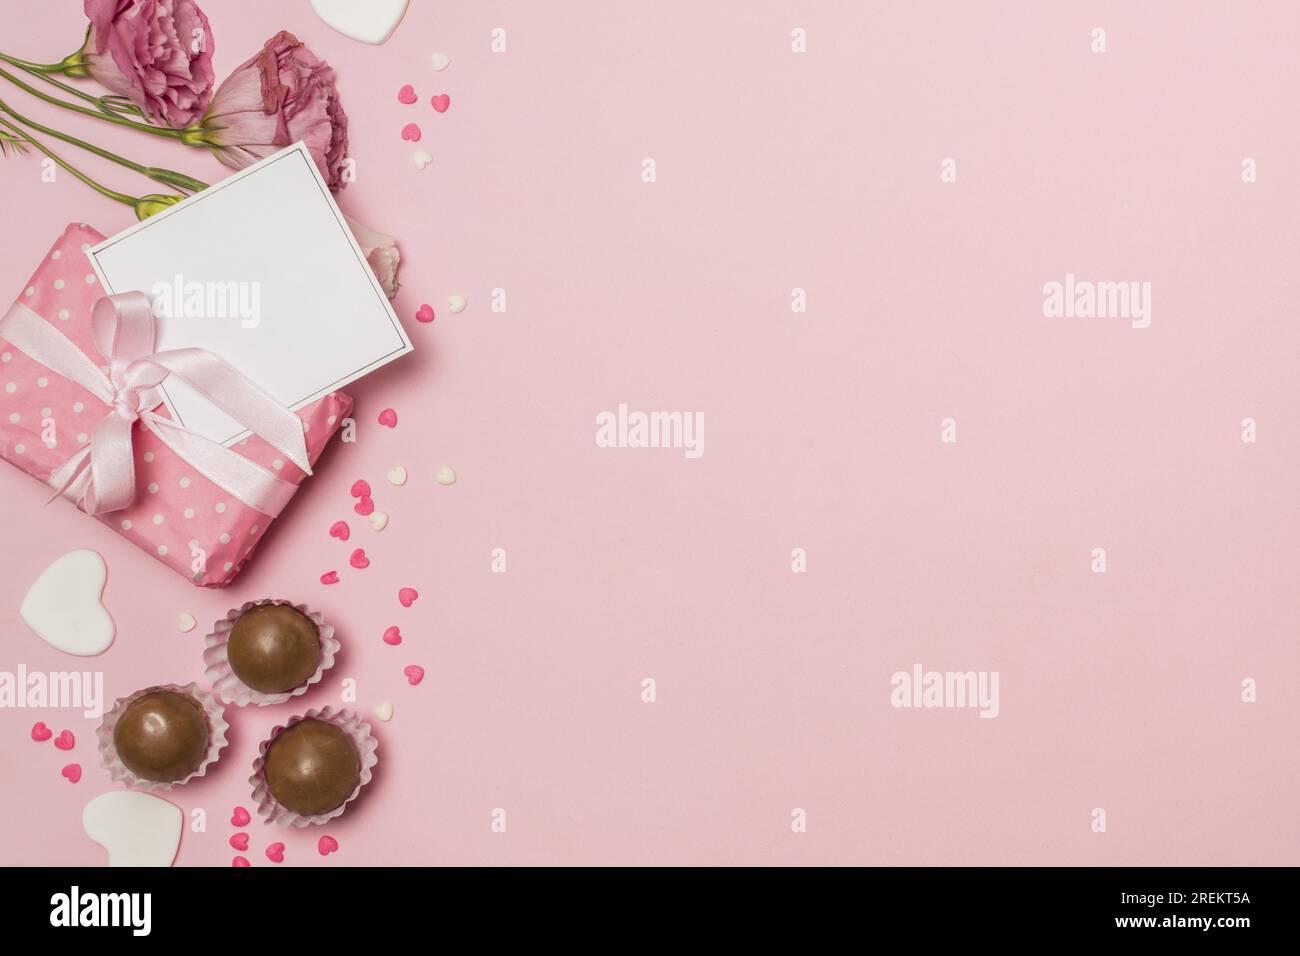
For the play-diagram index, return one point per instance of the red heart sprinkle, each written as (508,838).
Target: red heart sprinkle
(406,596)
(393,636)
(411,133)
(327,845)
(441,102)
(361,488)
(424,313)
(72,771)
(240,817)
(275,852)
(240,861)
(364,506)
(40,732)
(358,559)
(414,674)
(65,740)
(329,577)
(340,530)
(239,841)
(388,418)
(406,95)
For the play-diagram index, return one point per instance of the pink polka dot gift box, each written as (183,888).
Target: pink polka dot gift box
(87,420)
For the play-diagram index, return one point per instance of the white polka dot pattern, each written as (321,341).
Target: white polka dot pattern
(178,515)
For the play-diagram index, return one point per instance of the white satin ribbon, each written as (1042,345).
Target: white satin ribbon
(100,474)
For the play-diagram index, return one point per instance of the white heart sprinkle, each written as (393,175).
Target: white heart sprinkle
(446,476)
(378,520)
(63,607)
(384,711)
(456,303)
(185,622)
(137,829)
(440,61)
(421,159)
(371,22)
(397,476)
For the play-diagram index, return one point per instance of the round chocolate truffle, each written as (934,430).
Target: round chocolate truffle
(312,767)
(162,736)
(274,648)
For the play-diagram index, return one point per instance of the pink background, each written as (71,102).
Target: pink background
(775,171)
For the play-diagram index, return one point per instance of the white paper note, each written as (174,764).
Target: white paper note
(261,270)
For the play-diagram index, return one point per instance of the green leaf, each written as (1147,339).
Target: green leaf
(8,141)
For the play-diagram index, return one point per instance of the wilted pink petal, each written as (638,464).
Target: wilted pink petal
(382,254)
(283,94)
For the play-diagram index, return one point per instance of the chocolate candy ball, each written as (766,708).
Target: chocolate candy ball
(162,736)
(274,648)
(312,767)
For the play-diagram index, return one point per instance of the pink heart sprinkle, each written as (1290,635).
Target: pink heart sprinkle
(327,845)
(65,740)
(406,596)
(364,506)
(358,559)
(441,102)
(340,530)
(275,852)
(406,95)
(393,636)
(240,817)
(414,674)
(40,732)
(388,418)
(329,577)
(72,771)
(239,841)
(424,313)
(240,861)
(411,133)
(361,488)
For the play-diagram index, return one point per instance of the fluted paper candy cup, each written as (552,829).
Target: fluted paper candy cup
(214,715)
(227,683)
(357,730)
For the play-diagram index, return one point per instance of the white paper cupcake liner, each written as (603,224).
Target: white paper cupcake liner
(213,710)
(235,691)
(350,723)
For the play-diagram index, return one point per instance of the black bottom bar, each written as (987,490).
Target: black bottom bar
(355,904)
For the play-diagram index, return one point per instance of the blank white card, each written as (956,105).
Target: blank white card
(262,270)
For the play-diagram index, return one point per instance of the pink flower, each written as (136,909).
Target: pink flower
(156,53)
(382,254)
(284,94)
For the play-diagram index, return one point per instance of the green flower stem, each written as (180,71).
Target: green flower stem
(63,66)
(74,64)
(86,111)
(73,91)
(168,176)
(101,189)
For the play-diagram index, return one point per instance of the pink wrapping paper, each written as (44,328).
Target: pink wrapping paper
(176,509)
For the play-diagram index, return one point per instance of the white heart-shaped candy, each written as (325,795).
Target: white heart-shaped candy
(397,476)
(378,520)
(384,711)
(440,61)
(63,606)
(137,829)
(421,159)
(456,303)
(185,622)
(370,21)
(446,476)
